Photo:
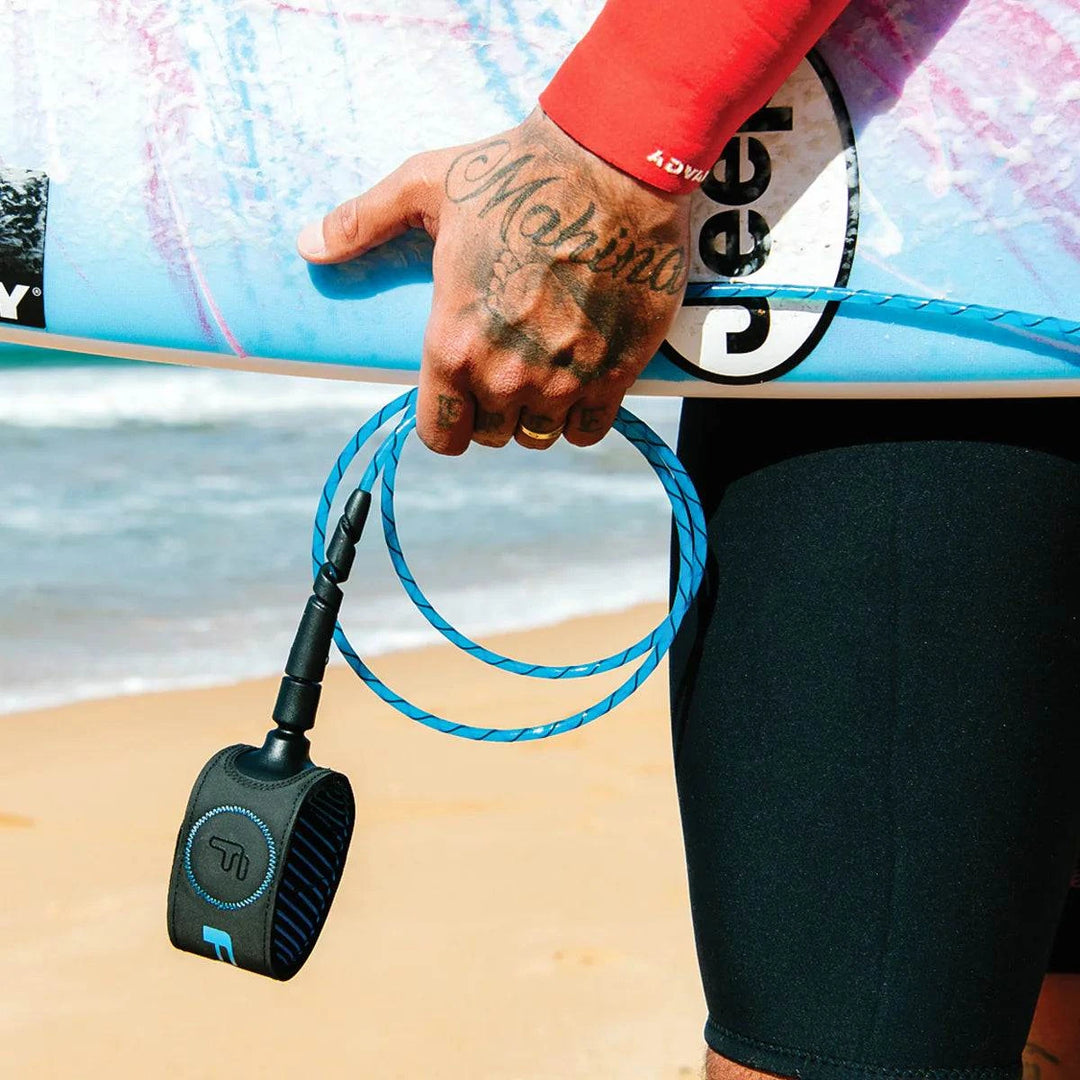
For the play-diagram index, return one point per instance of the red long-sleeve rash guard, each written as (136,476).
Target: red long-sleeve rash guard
(657,87)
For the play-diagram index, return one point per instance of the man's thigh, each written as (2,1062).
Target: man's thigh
(876,734)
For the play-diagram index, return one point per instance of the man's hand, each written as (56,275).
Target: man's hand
(556,278)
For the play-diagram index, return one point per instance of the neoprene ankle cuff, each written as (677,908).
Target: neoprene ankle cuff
(257,864)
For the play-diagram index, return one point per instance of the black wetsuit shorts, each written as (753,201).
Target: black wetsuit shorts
(876,713)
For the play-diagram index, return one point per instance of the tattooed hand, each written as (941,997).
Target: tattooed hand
(556,278)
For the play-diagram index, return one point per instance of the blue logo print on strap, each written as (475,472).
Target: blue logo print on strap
(222,944)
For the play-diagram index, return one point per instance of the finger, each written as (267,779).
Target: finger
(444,406)
(401,201)
(589,421)
(444,417)
(539,430)
(495,419)
(546,405)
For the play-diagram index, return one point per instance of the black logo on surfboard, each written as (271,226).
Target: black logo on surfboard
(24,198)
(780,206)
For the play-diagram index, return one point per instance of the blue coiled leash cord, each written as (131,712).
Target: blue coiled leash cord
(967,320)
(963,320)
(382,469)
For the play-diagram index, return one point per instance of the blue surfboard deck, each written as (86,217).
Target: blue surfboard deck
(151,192)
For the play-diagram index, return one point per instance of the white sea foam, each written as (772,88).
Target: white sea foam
(103,397)
(387,625)
(182,558)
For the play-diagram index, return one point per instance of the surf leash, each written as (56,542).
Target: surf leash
(262,846)
(689,527)
(1022,329)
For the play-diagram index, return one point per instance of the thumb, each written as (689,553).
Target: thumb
(403,200)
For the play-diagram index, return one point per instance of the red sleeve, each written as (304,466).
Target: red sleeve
(657,87)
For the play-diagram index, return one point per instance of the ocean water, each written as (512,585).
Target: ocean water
(155,524)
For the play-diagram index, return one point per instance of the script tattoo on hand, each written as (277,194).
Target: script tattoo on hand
(498,181)
(560,261)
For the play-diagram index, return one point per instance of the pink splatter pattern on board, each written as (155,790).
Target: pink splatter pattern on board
(458,29)
(1011,50)
(162,61)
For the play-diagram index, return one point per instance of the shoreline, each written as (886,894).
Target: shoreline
(139,686)
(513,913)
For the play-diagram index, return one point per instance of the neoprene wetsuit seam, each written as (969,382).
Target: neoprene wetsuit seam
(896,584)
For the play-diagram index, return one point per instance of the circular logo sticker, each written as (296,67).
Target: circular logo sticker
(780,206)
(230,857)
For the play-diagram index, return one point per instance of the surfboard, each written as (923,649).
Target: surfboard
(157,158)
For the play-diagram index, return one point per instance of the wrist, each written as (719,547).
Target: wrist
(567,148)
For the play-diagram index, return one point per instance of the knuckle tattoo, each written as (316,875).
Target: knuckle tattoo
(448,413)
(489,421)
(591,419)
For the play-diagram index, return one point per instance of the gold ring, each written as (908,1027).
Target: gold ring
(538,436)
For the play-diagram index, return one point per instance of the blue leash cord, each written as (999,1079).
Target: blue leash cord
(689,528)
(971,320)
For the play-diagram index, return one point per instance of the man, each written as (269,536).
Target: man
(879,810)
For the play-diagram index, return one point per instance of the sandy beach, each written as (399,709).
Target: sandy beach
(507,912)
